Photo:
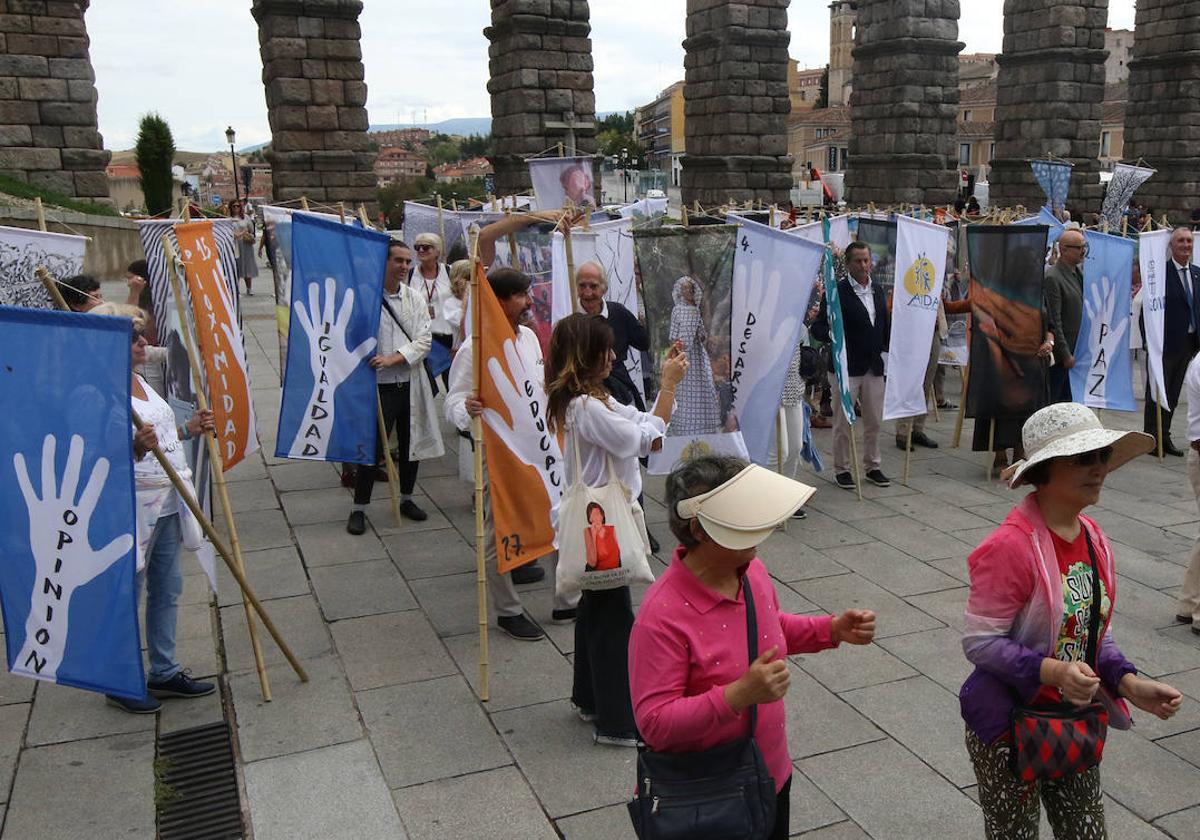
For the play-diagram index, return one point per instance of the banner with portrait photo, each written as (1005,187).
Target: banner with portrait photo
(22,251)
(328,407)
(1103,372)
(954,351)
(773,279)
(67,544)
(562,180)
(880,235)
(1008,378)
(687,283)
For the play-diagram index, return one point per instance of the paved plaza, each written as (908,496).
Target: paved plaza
(389,739)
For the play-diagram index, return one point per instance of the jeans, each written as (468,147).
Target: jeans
(163,580)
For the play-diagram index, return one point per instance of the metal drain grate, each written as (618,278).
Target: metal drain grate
(197,790)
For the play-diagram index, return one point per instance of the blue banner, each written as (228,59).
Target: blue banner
(837,334)
(67,522)
(1103,372)
(1054,176)
(329,393)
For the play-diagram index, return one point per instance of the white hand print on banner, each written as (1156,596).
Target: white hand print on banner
(763,299)
(331,361)
(1105,336)
(64,558)
(528,438)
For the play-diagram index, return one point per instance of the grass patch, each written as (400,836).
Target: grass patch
(164,793)
(22,190)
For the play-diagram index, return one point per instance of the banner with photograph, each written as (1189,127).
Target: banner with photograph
(773,279)
(557,181)
(328,408)
(67,580)
(954,351)
(1103,372)
(22,251)
(921,249)
(687,281)
(880,235)
(1153,253)
(219,341)
(1008,379)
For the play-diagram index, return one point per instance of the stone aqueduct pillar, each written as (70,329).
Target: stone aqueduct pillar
(48,134)
(540,61)
(1049,96)
(1162,116)
(737,103)
(316,100)
(904,103)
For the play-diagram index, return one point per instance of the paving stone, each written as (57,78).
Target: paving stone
(301,716)
(907,800)
(810,809)
(1182,825)
(185,714)
(70,714)
(379,514)
(922,716)
(609,823)
(502,807)
(429,730)
(305,475)
(1146,778)
(954,493)
(947,606)
(821,531)
(844,507)
(196,588)
(1186,681)
(1136,564)
(259,529)
(519,673)
(1148,538)
(198,655)
(387,649)
(1123,823)
(251,469)
(308,507)
(893,616)
(344,796)
(450,603)
(1154,512)
(818,721)
(789,559)
(956,567)
(1155,652)
(995,512)
(14,689)
(328,544)
(13,719)
(892,569)
(791,601)
(1141,603)
(1185,745)
(254,494)
(357,589)
(914,538)
(853,666)
(108,787)
(838,831)
(1183,635)
(298,621)
(554,750)
(933,512)
(430,553)
(935,653)
(273,573)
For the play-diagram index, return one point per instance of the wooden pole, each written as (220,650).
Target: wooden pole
(304,203)
(560,150)
(454,205)
(477,438)
(684,213)
(991,447)
(931,397)
(342,211)
(214,456)
(571,283)
(908,451)
(962,406)
(51,288)
(441,220)
(854,456)
(364,218)
(1159,425)
(41,213)
(390,465)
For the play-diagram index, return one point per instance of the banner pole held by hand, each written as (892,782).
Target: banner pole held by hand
(390,465)
(477,447)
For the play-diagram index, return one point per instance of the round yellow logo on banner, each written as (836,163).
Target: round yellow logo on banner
(919,279)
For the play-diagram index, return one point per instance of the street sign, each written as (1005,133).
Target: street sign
(215,199)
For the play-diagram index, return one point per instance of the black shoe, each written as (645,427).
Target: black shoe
(531,573)
(845,480)
(569,615)
(922,439)
(946,405)
(1170,448)
(1183,619)
(146,706)
(800,514)
(654,546)
(180,685)
(902,443)
(410,510)
(877,478)
(357,523)
(520,627)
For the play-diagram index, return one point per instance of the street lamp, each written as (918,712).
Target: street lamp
(230,137)
(625,161)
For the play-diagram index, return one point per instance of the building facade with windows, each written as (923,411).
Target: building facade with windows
(659,129)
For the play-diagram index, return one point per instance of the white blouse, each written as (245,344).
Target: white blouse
(606,427)
(155,411)
(434,294)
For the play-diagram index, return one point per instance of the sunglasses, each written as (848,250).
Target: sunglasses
(1096,456)
(138,334)
(425,247)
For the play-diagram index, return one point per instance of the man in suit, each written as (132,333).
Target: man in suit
(1063,288)
(1181,333)
(868,328)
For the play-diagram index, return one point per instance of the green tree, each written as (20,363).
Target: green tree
(622,123)
(476,145)
(155,152)
(823,90)
(442,151)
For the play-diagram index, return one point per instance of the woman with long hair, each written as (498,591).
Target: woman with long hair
(603,431)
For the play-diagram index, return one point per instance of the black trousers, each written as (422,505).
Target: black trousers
(783,812)
(602,628)
(1175,362)
(1060,384)
(396,415)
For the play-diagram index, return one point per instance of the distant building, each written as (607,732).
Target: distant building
(125,187)
(819,138)
(804,86)
(1119,43)
(463,170)
(843,16)
(659,128)
(396,164)
(416,137)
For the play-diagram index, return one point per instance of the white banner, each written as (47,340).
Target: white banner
(773,279)
(422,218)
(23,250)
(1152,255)
(920,271)
(839,232)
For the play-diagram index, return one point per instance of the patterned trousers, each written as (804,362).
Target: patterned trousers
(1011,808)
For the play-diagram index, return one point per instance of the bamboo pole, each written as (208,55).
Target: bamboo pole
(364,218)
(304,203)
(342,211)
(41,213)
(962,406)
(991,448)
(854,457)
(572,285)
(684,213)
(389,464)
(214,456)
(205,525)
(560,150)
(477,437)
(1159,426)
(931,397)
(908,451)
(441,220)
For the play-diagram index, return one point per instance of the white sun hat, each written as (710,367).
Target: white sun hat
(1065,429)
(743,511)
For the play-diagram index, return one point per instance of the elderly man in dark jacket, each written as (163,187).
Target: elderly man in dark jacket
(1063,292)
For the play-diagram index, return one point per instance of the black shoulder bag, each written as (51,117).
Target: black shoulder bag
(722,793)
(1053,742)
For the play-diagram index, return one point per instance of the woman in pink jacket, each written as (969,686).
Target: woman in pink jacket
(690,675)
(1027,626)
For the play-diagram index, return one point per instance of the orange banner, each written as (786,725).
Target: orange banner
(525,470)
(220,341)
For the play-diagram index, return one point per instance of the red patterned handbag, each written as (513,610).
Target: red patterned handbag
(1052,742)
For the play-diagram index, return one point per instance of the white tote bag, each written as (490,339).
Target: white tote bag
(602,541)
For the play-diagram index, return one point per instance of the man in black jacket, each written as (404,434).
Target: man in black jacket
(868,328)
(1181,333)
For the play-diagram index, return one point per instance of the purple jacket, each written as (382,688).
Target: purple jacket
(1013,618)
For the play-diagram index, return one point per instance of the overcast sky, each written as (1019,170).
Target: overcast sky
(197,64)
